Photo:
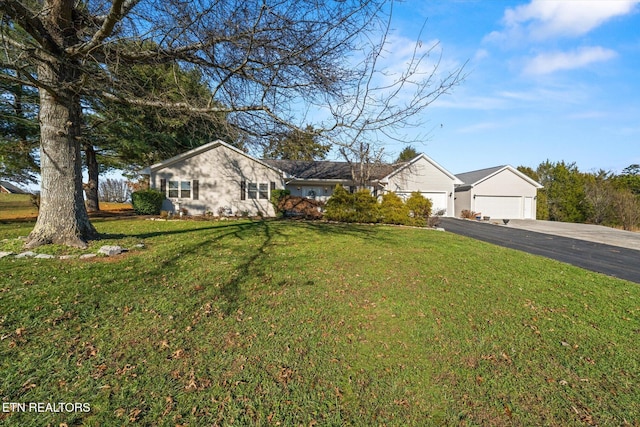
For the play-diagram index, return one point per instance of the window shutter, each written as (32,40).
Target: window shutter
(195,184)
(243,190)
(163,186)
(273,186)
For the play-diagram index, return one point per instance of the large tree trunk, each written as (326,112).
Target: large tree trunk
(91,187)
(63,217)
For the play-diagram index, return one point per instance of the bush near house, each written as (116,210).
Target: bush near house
(360,206)
(277,196)
(147,202)
(393,210)
(293,206)
(419,205)
(363,207)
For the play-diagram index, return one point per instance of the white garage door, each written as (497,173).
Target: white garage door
(438,202)
(499,207)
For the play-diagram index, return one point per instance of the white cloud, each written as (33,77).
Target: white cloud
(543,19)
(480,55)
(550,62)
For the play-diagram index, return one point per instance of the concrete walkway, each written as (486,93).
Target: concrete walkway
(588,232)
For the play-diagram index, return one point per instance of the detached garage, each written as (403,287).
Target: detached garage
(501,192)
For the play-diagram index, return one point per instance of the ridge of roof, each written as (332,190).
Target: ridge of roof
(473,178)
(202,148)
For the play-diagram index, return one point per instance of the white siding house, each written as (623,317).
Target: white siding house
(217,178)
(223,180)
(501,192)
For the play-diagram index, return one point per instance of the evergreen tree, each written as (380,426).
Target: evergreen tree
(297,145)
(408,153)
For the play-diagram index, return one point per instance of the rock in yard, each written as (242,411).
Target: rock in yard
(27,254)
(110,250)
(68,256)
(85,256)
(4,254)
(44,256)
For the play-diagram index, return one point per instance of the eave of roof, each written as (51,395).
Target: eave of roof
(199,150)
(473,178)
(401,166)
(322,170)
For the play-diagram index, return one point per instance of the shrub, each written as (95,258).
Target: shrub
(277,196)
(365,207)
(394,210)
(468,214)
(358,207)
(433,221)
(419,205)
(147,202)
(340,205)
(293,206)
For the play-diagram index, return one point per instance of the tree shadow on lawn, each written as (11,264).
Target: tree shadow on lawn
(146,235)
(252,258)
(262,232)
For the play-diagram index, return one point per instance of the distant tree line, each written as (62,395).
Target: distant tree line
(114,190)
(601,197)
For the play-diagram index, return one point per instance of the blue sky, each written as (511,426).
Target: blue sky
(557,80)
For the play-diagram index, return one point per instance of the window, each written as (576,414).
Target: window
(252,191)
(264,191)
(173,189)
(180,189)
(185,189)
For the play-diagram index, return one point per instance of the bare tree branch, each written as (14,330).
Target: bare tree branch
(119,8)
(30,22)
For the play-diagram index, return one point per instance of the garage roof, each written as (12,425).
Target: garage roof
(473,178)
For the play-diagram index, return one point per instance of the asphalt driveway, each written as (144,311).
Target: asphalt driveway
(618,260)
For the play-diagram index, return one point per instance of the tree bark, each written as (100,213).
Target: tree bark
(63,218)
(91,187)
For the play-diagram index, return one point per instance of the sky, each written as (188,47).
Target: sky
(554,80)
(545,80)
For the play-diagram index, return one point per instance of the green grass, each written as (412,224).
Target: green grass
(297,323)
(14,206)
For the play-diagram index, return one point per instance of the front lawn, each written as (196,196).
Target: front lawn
(305,323)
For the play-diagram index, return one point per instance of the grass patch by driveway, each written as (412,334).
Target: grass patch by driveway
(296,323)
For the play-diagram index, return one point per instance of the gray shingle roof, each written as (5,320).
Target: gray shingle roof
(304,169)
(12,188)
(475,176)
(470,178)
